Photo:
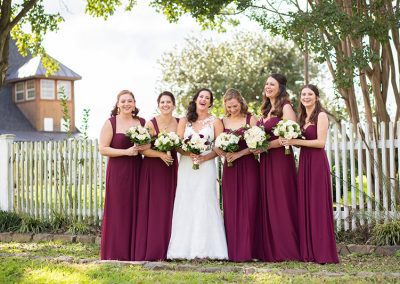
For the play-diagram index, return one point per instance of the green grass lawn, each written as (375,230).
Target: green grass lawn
(39,263)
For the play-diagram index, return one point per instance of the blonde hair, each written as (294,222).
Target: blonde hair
(235,94)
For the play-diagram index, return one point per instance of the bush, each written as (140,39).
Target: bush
(9,221)
(79,227)
(31,225)
(361,235)
(387,234)
(59,222)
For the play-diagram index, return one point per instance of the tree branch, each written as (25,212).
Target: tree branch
(26,7)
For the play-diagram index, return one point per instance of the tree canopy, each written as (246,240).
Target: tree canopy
(242,61)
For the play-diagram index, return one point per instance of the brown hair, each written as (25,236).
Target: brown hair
(191,114)
(235,94)
(114,111)
(282,99)
(168,94)
(318,107)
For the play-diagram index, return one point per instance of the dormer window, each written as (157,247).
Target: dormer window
(30,90)
(19,91)
(64,87)
(47,89)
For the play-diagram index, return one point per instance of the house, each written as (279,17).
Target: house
(30,105)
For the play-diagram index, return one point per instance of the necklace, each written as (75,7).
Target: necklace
(164,126)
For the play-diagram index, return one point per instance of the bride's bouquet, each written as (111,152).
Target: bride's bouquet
(227,142)
(256,138)
(196,144)
(287,129)
(167,141)
(138,135)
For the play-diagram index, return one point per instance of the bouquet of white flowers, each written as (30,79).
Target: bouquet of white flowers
(287,129)
(138,135)
(228,142)
(256,138)
(196,144)
(166,141)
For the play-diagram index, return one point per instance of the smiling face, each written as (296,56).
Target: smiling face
(308,98)
(126,104)
(233,107)
(271,88)
(203,101)
(166,105)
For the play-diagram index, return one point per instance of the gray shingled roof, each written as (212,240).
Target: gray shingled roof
(34,68)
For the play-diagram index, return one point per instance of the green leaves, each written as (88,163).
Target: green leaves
(242,61)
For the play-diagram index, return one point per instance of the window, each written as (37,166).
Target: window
(64,125)
(64,87)
(19,91)
(48,124)
(47,89)
(30,90)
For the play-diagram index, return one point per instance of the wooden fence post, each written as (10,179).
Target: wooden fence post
(6,173)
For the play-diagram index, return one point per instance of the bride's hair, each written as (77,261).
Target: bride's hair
(191,114)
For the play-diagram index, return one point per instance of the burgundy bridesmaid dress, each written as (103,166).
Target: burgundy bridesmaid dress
(156,201)
(316,229)
(240,192)
(122,184)
(277,215)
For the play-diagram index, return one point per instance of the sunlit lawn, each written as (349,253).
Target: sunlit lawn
(36,263)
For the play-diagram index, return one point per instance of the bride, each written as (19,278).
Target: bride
(197,224)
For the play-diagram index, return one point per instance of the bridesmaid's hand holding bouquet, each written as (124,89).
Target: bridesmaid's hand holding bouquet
(138,135)
(165,142)
(195,144)
(228,142)
(287,129)
(256,138)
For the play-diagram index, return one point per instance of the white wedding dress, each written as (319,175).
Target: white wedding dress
(197,224)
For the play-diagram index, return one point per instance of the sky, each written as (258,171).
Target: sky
(120,53)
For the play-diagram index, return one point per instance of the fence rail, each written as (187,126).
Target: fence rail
(68,177)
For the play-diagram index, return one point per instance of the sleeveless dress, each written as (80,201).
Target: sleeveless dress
(122,183)
(197,225)
(240,191)
(317,235)
(156,201)
(278,208)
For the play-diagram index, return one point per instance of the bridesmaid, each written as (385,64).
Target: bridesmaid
(317,235)
(157,188)
(278,204)
(240,183)
(122,179)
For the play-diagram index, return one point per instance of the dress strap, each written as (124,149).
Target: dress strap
(248,117)
(154,121)
(113,120)
(142,121)
(223,124)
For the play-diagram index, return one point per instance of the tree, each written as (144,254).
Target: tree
(242,62)
(26,23)
(359,41)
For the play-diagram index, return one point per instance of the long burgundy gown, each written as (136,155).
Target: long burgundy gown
(120,205)
(316,230)
(156,201)
(240,192)
(278,203)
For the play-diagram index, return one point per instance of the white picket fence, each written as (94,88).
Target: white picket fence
(354,162)
(68,177)
(65,177)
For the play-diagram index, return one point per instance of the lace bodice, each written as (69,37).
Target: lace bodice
(207,128)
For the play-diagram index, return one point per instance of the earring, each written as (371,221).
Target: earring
(118,110)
